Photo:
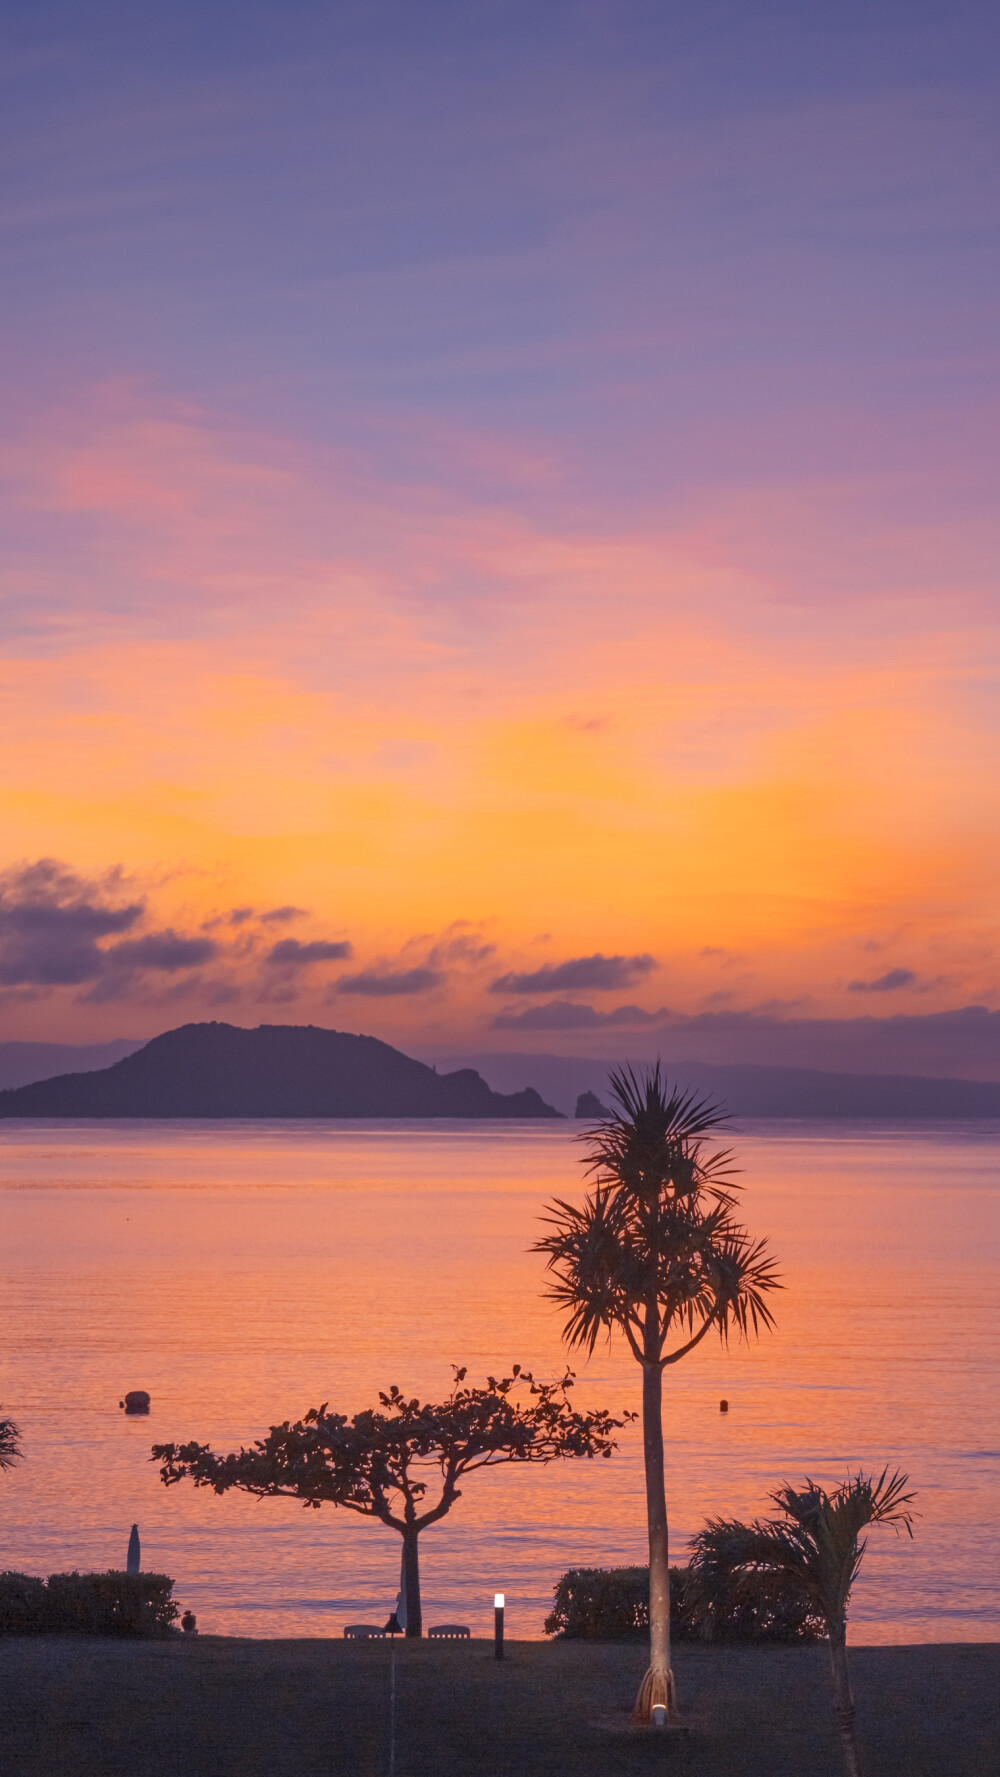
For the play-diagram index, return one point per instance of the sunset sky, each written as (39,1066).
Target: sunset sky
(499,516)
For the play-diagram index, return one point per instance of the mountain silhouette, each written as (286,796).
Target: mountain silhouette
(22,1063)
(589,1105)
(755,1091)
(277,1070)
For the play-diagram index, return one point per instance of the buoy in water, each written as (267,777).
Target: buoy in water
(136,1401)
(723,1406)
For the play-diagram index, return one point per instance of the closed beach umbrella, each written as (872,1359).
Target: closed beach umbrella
(134,1557)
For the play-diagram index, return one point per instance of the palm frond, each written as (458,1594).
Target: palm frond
(746,1272)
(648,1104)
(10,1444)
(655,1245)
(595,1272)
(655,1139)
(816,1540)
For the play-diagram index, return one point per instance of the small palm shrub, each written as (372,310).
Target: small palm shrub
(720,1603)
(815,1543)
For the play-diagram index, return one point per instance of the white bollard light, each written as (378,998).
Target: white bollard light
(659,1714)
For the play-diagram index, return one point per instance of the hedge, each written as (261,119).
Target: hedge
(124,1604)
(612,1604)
(22,1604)
(609,1604)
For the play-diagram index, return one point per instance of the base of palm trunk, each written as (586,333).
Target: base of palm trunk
(657,1687)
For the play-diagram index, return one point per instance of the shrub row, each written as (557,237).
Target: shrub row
(87,1604)
(612,1604)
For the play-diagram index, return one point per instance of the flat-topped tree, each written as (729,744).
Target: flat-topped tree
(657,1253)
(402,1465)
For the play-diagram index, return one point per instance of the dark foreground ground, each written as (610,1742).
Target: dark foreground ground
(225,1708)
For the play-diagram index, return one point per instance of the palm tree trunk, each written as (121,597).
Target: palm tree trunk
(411,1568)
(843,1701)
(658,1684)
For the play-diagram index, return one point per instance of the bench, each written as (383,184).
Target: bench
(450,1632)
(364,1632)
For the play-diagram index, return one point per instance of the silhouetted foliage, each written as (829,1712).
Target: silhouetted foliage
(22,1604)
(656,1252)
(10,1444)
(765,1606)
(612,1604)
(814,1544)
(608,1604)
(403,1465)
(120,1604)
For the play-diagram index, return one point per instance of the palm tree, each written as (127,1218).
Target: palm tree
(10,1448)
(656,1253)
(814,1544)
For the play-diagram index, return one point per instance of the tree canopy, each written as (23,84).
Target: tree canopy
(656,1249)
(403,1463)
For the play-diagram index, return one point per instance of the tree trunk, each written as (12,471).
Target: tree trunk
(658,1684)
(843,1701)
(411,1568)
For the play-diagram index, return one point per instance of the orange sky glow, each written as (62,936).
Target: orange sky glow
(627,742)
(498,520)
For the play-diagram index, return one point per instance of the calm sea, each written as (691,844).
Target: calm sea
(244,1273)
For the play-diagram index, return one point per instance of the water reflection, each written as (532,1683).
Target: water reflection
(243,1273)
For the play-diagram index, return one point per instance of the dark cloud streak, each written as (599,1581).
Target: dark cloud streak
(598,973)
(160,950)
(890,983)
(569,1015)
(377,984)
(292,954)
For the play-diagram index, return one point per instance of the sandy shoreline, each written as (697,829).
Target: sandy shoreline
(219,1707)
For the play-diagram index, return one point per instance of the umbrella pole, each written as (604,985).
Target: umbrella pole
(392,1709)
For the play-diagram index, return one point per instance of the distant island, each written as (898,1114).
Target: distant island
(222,1070)
(750,1090)
(23,1063)
(277,1070)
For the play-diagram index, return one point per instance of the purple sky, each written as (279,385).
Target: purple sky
(446,445)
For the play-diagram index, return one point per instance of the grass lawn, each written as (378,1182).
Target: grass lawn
(214,1707)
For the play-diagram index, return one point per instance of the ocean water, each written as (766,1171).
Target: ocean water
(242,1273)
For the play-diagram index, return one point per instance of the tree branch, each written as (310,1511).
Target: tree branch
(674,1357)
